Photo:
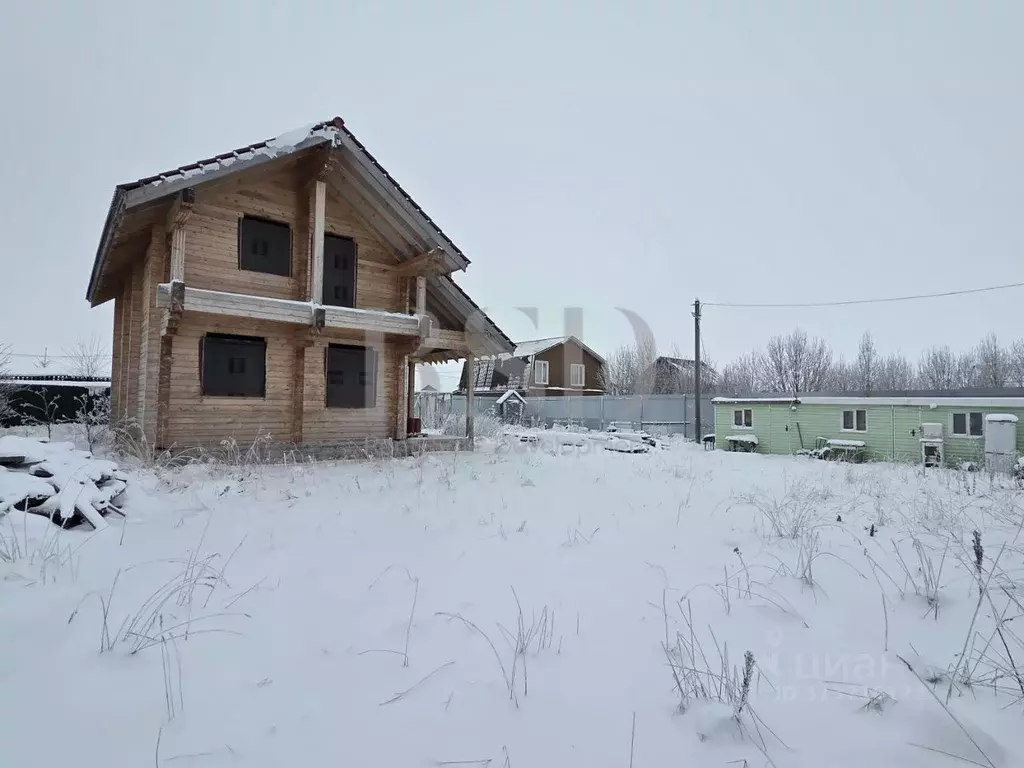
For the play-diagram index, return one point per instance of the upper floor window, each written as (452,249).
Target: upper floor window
(264,246)
(540,368)
(232,366)
(339,271)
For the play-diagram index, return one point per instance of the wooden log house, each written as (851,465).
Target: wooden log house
(287,288)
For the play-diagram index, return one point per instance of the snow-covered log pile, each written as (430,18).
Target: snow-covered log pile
(57,481)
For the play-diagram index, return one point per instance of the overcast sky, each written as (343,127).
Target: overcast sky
(587,154)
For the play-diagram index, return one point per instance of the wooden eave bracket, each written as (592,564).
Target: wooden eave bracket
(429,263)
(181,209)
(321,164)
(422,343)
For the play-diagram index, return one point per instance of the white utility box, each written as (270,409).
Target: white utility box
(1000,442)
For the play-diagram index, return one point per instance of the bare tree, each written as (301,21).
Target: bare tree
(629,370)
(937,369)
(993,363)
(619,373)
(741,377)
(795,363)
(1015,362)
(842,376)
(6,389)
(44,408)
(866,367)
(895,373)
(87,358)
(967,370)
(93,417)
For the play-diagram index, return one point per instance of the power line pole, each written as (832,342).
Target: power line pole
(696,371)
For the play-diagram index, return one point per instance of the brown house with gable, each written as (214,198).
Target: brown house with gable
(555,367)
(287,288)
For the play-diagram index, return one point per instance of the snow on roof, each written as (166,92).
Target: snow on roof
(742,400)
(752,439)
(935,401)
(279,145)
(507,395)
(1008,418)
(847,443)
(536,346)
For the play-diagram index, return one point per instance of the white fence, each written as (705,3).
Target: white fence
(658,414)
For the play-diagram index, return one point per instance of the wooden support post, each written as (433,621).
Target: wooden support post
(421,295)
(317,212)
(299,392)
(177,254)
(177,217)
(412,389)
(471,369)
(402,410)
(163,391)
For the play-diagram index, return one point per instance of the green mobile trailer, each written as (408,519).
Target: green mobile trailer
(888,427)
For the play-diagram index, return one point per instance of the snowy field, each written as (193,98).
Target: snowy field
(527,605)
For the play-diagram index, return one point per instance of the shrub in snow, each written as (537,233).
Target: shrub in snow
(57,481)
(93,417)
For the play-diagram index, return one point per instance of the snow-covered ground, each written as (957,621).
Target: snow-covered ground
(368,615)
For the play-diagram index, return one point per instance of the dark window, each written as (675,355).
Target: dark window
(233,366)
(748,418)
(959,423)
(976,424)
(339,271)
(737,418)
(969,424)
(264,246)
(351,375)
(855,420)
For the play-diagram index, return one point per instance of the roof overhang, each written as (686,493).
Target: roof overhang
(922,402)
(755,401)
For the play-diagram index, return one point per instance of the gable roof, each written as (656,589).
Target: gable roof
(508,394)
(369,188)
(535,347)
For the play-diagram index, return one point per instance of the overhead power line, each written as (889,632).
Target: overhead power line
(850,302)
(47,356)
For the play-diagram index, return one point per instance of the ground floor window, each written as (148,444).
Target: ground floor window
(743,417)
(855,420)
(968,424)
(232,366)
(351,376)
(577,374)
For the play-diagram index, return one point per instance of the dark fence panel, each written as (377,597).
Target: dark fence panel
(30,403)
